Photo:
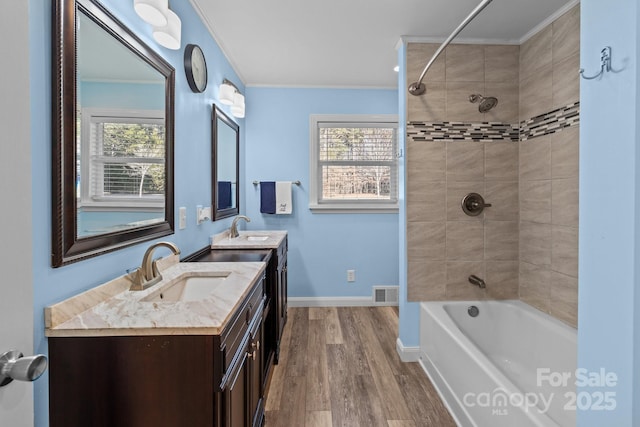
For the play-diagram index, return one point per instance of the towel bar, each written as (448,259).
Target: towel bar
(293,182)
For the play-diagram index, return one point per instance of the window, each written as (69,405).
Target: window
(353,163)
(123,159)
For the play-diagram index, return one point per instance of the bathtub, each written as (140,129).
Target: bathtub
(511,365)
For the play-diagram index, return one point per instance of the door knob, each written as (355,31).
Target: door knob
(13,366)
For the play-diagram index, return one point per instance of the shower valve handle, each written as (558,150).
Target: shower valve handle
(473,204)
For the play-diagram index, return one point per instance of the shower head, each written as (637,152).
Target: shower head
(486,103)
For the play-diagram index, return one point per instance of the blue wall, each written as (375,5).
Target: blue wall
(409,333)
(609,301)
(192,164)
(321,246)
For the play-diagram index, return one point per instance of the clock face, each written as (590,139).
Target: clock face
(195,68)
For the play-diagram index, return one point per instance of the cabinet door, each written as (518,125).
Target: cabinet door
(255,357)
(235,397)
(282,293)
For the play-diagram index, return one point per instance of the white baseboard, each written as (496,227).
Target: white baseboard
(330,302)
(407,354)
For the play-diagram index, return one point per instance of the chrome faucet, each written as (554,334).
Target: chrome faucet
(148,274)
(233,231)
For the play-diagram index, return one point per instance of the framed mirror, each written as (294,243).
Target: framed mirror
(225,149)
(113,126)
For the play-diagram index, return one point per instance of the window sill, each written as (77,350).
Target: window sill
(358,208)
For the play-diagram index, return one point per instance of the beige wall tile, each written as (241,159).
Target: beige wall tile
(535,243)
(464,63)
(502,279)
(501,63)
(535,286)
(501,240)
(564,202)
(459,108)
(465,240)
(564,250)
(535,201)
(536,93)
(426,281)
(465,161)
(503,196)
(564,298)
(535,159)
(418,54)
(566,35)
(426,161)
(501,161)
(506,111)
(455,192)
(565,148)
(566,81)
(536,53)
(426,202)
(425,241)
(458,286)
(431,106)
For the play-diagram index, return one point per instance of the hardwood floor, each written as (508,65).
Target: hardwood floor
(339,367)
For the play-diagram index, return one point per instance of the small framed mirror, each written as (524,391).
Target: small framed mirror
(113,116)
(225,149)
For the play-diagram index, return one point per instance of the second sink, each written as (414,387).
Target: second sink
(191,286)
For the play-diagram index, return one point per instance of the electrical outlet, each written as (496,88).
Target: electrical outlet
(183,218)
(351,275)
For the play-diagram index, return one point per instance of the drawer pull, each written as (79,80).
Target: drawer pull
(255,346)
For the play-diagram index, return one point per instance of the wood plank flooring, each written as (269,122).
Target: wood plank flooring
(339,367)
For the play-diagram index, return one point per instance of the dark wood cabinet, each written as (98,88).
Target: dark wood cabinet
(275,311)
(163,381)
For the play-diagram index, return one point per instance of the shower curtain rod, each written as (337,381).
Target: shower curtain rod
(418,88)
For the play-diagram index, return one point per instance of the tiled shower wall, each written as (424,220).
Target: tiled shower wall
(550,84)
(451,153)
(525,245)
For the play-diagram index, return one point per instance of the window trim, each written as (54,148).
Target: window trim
(345,206)
(87,200)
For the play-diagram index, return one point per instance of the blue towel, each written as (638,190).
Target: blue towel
(268,197)
(224,194)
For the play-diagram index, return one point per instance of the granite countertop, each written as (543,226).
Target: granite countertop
(248,239)
(112,310)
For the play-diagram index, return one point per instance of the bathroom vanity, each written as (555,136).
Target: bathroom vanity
(256,242)
(195,349)
(162,357)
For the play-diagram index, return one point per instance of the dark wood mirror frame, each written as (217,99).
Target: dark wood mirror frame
(66,246)
(220,213)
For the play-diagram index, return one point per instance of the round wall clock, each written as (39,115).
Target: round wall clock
(195,67)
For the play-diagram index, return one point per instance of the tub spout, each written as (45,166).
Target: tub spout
(475,280)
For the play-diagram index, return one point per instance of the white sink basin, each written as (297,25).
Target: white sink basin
(191,286)
(257,238)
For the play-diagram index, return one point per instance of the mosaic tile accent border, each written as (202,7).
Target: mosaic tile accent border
(459,131)
(551,122)
(534,127)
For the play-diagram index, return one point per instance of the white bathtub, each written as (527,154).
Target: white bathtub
(501,368)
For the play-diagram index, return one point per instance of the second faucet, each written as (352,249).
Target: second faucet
(233,231)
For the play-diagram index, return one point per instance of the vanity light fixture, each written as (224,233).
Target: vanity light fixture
(153,12)
(230,95)
(167,27)
(237,109)
(169,35)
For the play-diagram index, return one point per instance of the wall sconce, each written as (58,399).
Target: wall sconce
(167,27)
(230,95)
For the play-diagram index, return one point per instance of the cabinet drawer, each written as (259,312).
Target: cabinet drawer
(233,336)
